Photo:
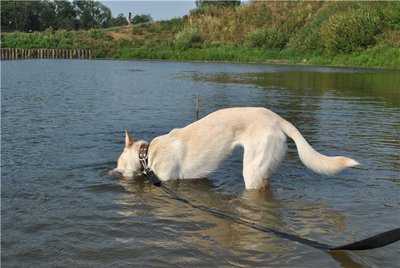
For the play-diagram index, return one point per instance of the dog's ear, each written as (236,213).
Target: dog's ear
(128,139)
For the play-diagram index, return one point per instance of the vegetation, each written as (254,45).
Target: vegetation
(327,33)
(188,37)
(143,18)
(29,16)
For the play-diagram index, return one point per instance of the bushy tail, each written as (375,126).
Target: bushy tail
(315,161)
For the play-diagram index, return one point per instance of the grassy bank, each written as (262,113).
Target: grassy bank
(375,57)
(322,33)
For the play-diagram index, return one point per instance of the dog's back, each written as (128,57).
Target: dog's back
(261,132)
(197,149)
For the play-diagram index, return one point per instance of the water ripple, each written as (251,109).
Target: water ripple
(63,128)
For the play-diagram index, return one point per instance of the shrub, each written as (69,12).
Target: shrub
(307,38)
(187,37)
(267,38)
(99,34)
(170,25)
(389,12)
(348,31)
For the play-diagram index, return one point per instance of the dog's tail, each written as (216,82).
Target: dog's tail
(315,161)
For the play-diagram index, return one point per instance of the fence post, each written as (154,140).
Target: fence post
(44,53)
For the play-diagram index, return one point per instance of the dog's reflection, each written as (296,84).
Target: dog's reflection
(260,207)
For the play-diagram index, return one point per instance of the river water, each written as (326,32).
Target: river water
(63,128)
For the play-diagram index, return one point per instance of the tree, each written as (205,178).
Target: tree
(141,19)
(203,3)
(58,14)
(66,15)
(21,15)
(120,20)
(9,16)
(47,15)
(92,14)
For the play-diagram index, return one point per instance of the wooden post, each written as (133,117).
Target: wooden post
(44,53)
(197,106)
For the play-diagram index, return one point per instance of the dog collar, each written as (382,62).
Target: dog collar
(147,172)
(144,148)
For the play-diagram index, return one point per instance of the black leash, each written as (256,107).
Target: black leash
(377,241)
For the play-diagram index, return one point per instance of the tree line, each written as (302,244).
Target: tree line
(26,16)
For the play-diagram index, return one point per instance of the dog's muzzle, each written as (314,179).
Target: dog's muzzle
(116,172)
(122,173)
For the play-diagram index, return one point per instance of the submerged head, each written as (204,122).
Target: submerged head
(128,165)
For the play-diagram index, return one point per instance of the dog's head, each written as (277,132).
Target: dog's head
(128,165)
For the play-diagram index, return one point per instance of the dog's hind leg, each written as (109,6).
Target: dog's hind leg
(261,158)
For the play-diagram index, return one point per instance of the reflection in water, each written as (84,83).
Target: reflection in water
(198,227)
(381,84)
(62,129)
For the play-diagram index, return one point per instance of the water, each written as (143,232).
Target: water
(63,126)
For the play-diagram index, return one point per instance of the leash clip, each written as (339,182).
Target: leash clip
(147,172)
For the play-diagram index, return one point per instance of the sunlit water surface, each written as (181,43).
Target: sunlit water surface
(63,126)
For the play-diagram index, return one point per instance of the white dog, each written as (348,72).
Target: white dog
(197,149)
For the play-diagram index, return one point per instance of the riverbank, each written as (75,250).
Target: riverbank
(382,57)
(378,58)
(356,34)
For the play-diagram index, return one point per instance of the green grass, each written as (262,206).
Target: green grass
(103,46)
(376,57)
(303,42)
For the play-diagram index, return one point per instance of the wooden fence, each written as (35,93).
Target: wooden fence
(44,53)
